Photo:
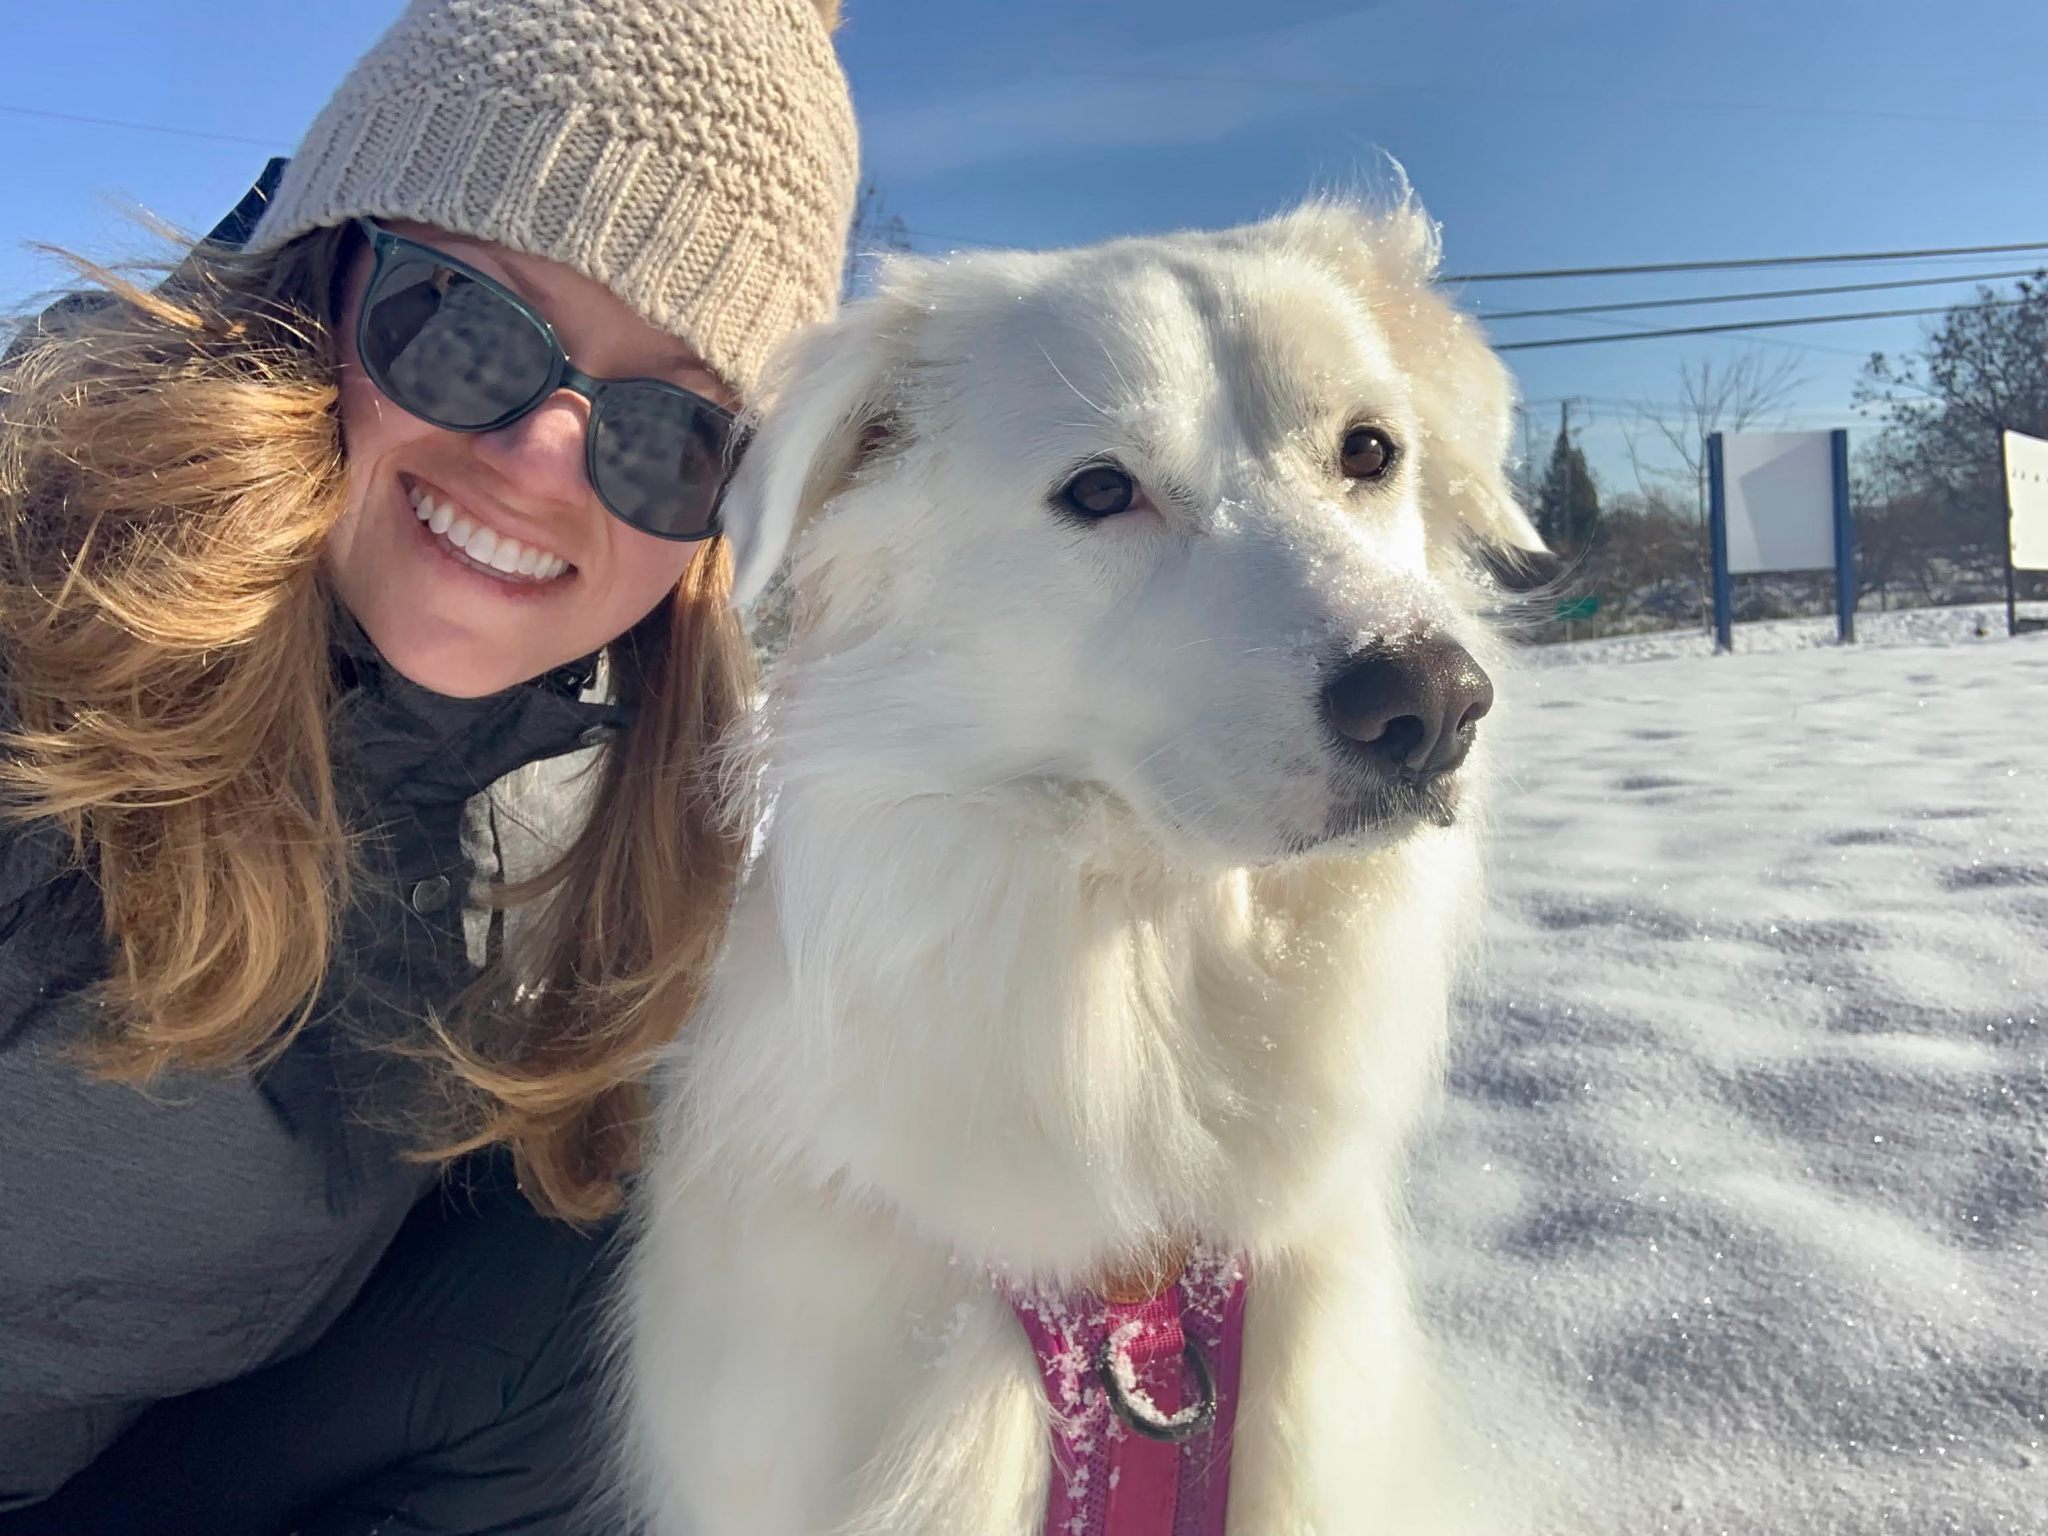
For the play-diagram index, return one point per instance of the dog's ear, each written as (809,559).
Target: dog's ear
(828,406)
(1464,396)
(1466,405)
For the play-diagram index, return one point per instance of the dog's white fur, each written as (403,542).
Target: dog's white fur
(1062,945)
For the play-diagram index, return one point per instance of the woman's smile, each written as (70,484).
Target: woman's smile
(476,544)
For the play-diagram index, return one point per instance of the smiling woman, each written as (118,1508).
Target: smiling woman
(320,562)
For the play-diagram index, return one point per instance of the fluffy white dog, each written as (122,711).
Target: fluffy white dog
(1121,853)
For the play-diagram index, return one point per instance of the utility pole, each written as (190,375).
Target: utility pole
(1564,437)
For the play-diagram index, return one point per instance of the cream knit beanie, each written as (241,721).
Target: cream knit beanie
(697,157)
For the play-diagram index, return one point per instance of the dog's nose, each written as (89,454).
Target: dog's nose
(1411,707)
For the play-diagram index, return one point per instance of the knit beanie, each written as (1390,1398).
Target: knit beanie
(696,157)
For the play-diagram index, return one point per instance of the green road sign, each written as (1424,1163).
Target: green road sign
(1578,608)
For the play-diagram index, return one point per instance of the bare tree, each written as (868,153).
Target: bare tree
(1730,398)
(1981,370)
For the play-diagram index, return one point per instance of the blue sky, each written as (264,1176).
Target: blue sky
(1541,134)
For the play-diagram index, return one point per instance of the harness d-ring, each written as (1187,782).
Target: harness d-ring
(1184,1425)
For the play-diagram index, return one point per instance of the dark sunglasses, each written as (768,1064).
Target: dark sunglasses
(458,349)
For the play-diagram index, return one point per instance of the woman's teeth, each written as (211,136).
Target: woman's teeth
(485,546)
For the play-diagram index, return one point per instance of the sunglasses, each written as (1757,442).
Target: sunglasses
(456,348)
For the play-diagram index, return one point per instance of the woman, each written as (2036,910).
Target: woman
(320,566)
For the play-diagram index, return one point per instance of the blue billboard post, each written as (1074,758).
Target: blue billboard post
(2012,586)
(1845,542)
(1717,539)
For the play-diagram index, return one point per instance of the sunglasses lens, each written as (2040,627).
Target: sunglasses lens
(658,458)
(450,350)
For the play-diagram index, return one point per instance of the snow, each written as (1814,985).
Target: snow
(1908,626)
(1737,1219)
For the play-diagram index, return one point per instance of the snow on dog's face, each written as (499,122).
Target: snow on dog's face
(1185,520)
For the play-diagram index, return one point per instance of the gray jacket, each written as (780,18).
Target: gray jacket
(155,1241)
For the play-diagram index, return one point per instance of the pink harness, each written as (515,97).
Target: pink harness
(1145,1399)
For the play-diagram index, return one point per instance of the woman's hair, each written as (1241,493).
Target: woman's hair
(170,466)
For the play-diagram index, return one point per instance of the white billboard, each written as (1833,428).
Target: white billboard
(2026,499)
(1778,489)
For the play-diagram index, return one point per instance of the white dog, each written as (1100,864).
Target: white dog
(1121,851)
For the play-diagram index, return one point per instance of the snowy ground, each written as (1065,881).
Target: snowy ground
(1904,626)
(1741,1198)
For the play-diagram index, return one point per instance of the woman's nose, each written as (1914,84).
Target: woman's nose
(543,452)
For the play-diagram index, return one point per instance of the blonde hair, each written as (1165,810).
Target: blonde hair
(170,466)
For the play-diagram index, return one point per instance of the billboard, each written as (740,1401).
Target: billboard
(2026,500)
(1779,495)
(1779,501)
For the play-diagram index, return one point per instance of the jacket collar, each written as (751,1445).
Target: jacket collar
(413,747)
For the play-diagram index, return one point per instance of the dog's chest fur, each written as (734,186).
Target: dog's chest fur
(948,1049)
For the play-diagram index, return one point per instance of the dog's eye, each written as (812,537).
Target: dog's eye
(1100,490)
(1368,453)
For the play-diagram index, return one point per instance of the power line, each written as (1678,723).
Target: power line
(1784,342)
(134,127)
(1852,258)
(1730,332)
(1769,293)
(1380,90)
(1467,277)
(1747,262)
(1738,325)
(1475,277)
(1617,404)
(928,234)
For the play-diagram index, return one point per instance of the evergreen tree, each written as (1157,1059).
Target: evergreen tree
(1568,500)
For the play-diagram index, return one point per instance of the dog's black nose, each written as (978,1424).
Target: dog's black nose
(1412,707)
